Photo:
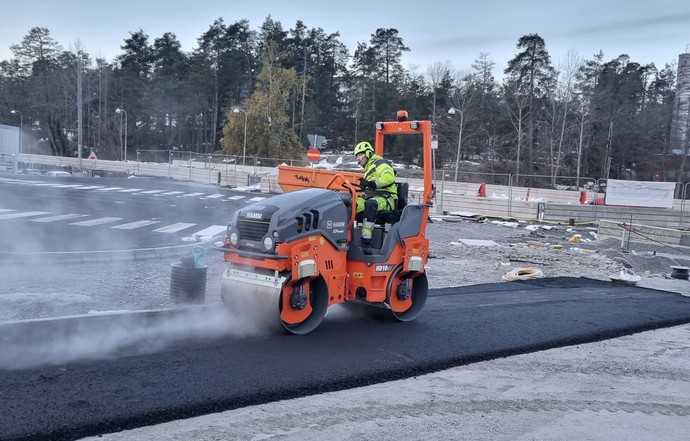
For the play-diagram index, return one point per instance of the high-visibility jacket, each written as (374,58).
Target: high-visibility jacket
(381,172)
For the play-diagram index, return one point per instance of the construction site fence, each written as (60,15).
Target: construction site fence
(473,195)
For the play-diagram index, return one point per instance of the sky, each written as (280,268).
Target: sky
(446,30)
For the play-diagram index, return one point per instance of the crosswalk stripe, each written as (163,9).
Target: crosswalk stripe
(43,185)
(257,199)
(5,210)
(190,195)
(59,217)
(70,186)
(174,228)
(22,214)
(152,191)
(170,193)
(130,190)
(99,221)
(235,198)
(210,232)
(91,187)
(213,196)
(109,189)
(135,225)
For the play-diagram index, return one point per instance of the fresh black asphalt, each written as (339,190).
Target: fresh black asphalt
(459,326)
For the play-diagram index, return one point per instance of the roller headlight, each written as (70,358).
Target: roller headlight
(234,238)
(268,243)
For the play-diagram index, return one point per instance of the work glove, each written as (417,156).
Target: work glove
(367,185)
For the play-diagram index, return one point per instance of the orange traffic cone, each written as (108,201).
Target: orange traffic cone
(482,190)
(583,197)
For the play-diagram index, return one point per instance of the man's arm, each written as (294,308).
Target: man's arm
(385,176)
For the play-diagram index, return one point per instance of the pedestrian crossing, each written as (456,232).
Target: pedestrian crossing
(98,221)
(136,191)
(191,230)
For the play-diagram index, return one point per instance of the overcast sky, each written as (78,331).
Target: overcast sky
(447,30)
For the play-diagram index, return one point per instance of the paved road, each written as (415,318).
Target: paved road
(39,214)
(460,325)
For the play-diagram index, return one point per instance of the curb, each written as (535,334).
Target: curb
(101,255)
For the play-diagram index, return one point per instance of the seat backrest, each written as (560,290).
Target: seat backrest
(402,194)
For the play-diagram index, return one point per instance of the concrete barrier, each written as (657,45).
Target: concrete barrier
(500,200)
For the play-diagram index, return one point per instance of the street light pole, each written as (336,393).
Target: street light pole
(244,142)
(123,153)
(453,111)
(21,129)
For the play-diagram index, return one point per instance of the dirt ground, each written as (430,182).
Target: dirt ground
(544,247)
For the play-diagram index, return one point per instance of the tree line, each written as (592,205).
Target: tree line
(584,117)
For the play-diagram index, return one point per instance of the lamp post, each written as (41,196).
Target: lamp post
(120,112)
(21,129)
(244,142)
(453,111)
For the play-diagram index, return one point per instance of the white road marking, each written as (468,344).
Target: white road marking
(99,221)
(235,198)
(174,228)
(70,186)
(213,196)
(91,187)
(5,210)
(190,195)
(210,232)
(59,217)
(22,214)
(131,190)
(109,189)
(257,199)
(152,191)
(170,193)
(135,225)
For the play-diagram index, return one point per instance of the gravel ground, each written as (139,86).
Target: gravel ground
(61,288)
(454,263)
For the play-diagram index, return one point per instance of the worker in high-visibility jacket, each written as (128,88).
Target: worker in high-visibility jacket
(380,194)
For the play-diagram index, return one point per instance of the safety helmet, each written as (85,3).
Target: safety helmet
(364,147)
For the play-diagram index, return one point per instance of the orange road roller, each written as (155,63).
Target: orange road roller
(292,256)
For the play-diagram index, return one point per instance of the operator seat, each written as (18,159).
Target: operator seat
(391,217)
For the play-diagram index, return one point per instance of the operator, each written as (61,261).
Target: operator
(380,193)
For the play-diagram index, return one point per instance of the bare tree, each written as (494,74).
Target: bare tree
(462,98)
(517,107)
(437,72)
(564,94)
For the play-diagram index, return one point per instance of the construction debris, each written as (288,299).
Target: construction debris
(680,272)
(505,224)
(475,243)
(625,276)
(575,238)
(523,274)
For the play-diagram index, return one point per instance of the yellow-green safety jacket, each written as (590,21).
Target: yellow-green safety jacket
(382,173)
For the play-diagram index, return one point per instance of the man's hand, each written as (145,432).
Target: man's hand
(367,185)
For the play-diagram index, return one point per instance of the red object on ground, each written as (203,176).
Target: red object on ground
(482,190)
(583,197)
(598,201)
